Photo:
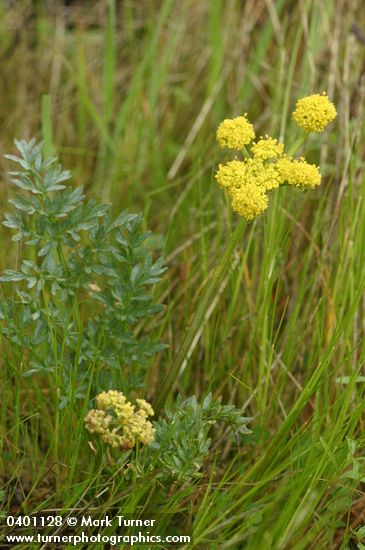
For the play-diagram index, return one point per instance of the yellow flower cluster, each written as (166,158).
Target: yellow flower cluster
(235,133)
(266,165)
(249,203)
(117,421)
(314,112)
(232,174)
(267,148)
(247,182)
(299,172)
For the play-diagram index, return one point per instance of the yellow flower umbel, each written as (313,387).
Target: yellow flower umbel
(314,112)
(235,133)
(299,172)
(232,174)
(264,175)
(247,182)
(117,421)
(249,200)
(237,173)
(267,148)
(265,166)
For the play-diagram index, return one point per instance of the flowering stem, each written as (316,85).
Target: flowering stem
(297,143)
(210,293)
(246,154)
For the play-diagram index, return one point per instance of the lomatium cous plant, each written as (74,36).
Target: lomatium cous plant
(266,165)
(263,167)
(76,318)
(182,273)
(71,253)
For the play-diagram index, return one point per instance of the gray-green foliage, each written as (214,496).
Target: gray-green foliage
(182,439)
(74,254)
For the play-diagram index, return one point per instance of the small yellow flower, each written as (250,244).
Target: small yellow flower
(238,173)
(111,400)
(299,172)
(314,112)
(266,176)
(97,421)
(112,438)
(147,435)
(267,148)
(267,167)
(272,177)
(231,174)
(235,133)
(145,407)
(123,426)
(249,200)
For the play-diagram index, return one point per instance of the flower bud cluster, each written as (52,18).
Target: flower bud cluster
(118,422)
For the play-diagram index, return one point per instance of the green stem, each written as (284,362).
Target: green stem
(301,139)
(218,276)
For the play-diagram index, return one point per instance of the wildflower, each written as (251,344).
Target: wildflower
(299,172)
(237,173)
(264,175)
(314,112)
(272,177)
(267,167)
(249,200)
(117,421)
(145,408)
(110,399)
(235,133)
(231,174)
(97,421)
(117,401)
(267,148)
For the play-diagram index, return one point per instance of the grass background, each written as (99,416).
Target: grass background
(129,94)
